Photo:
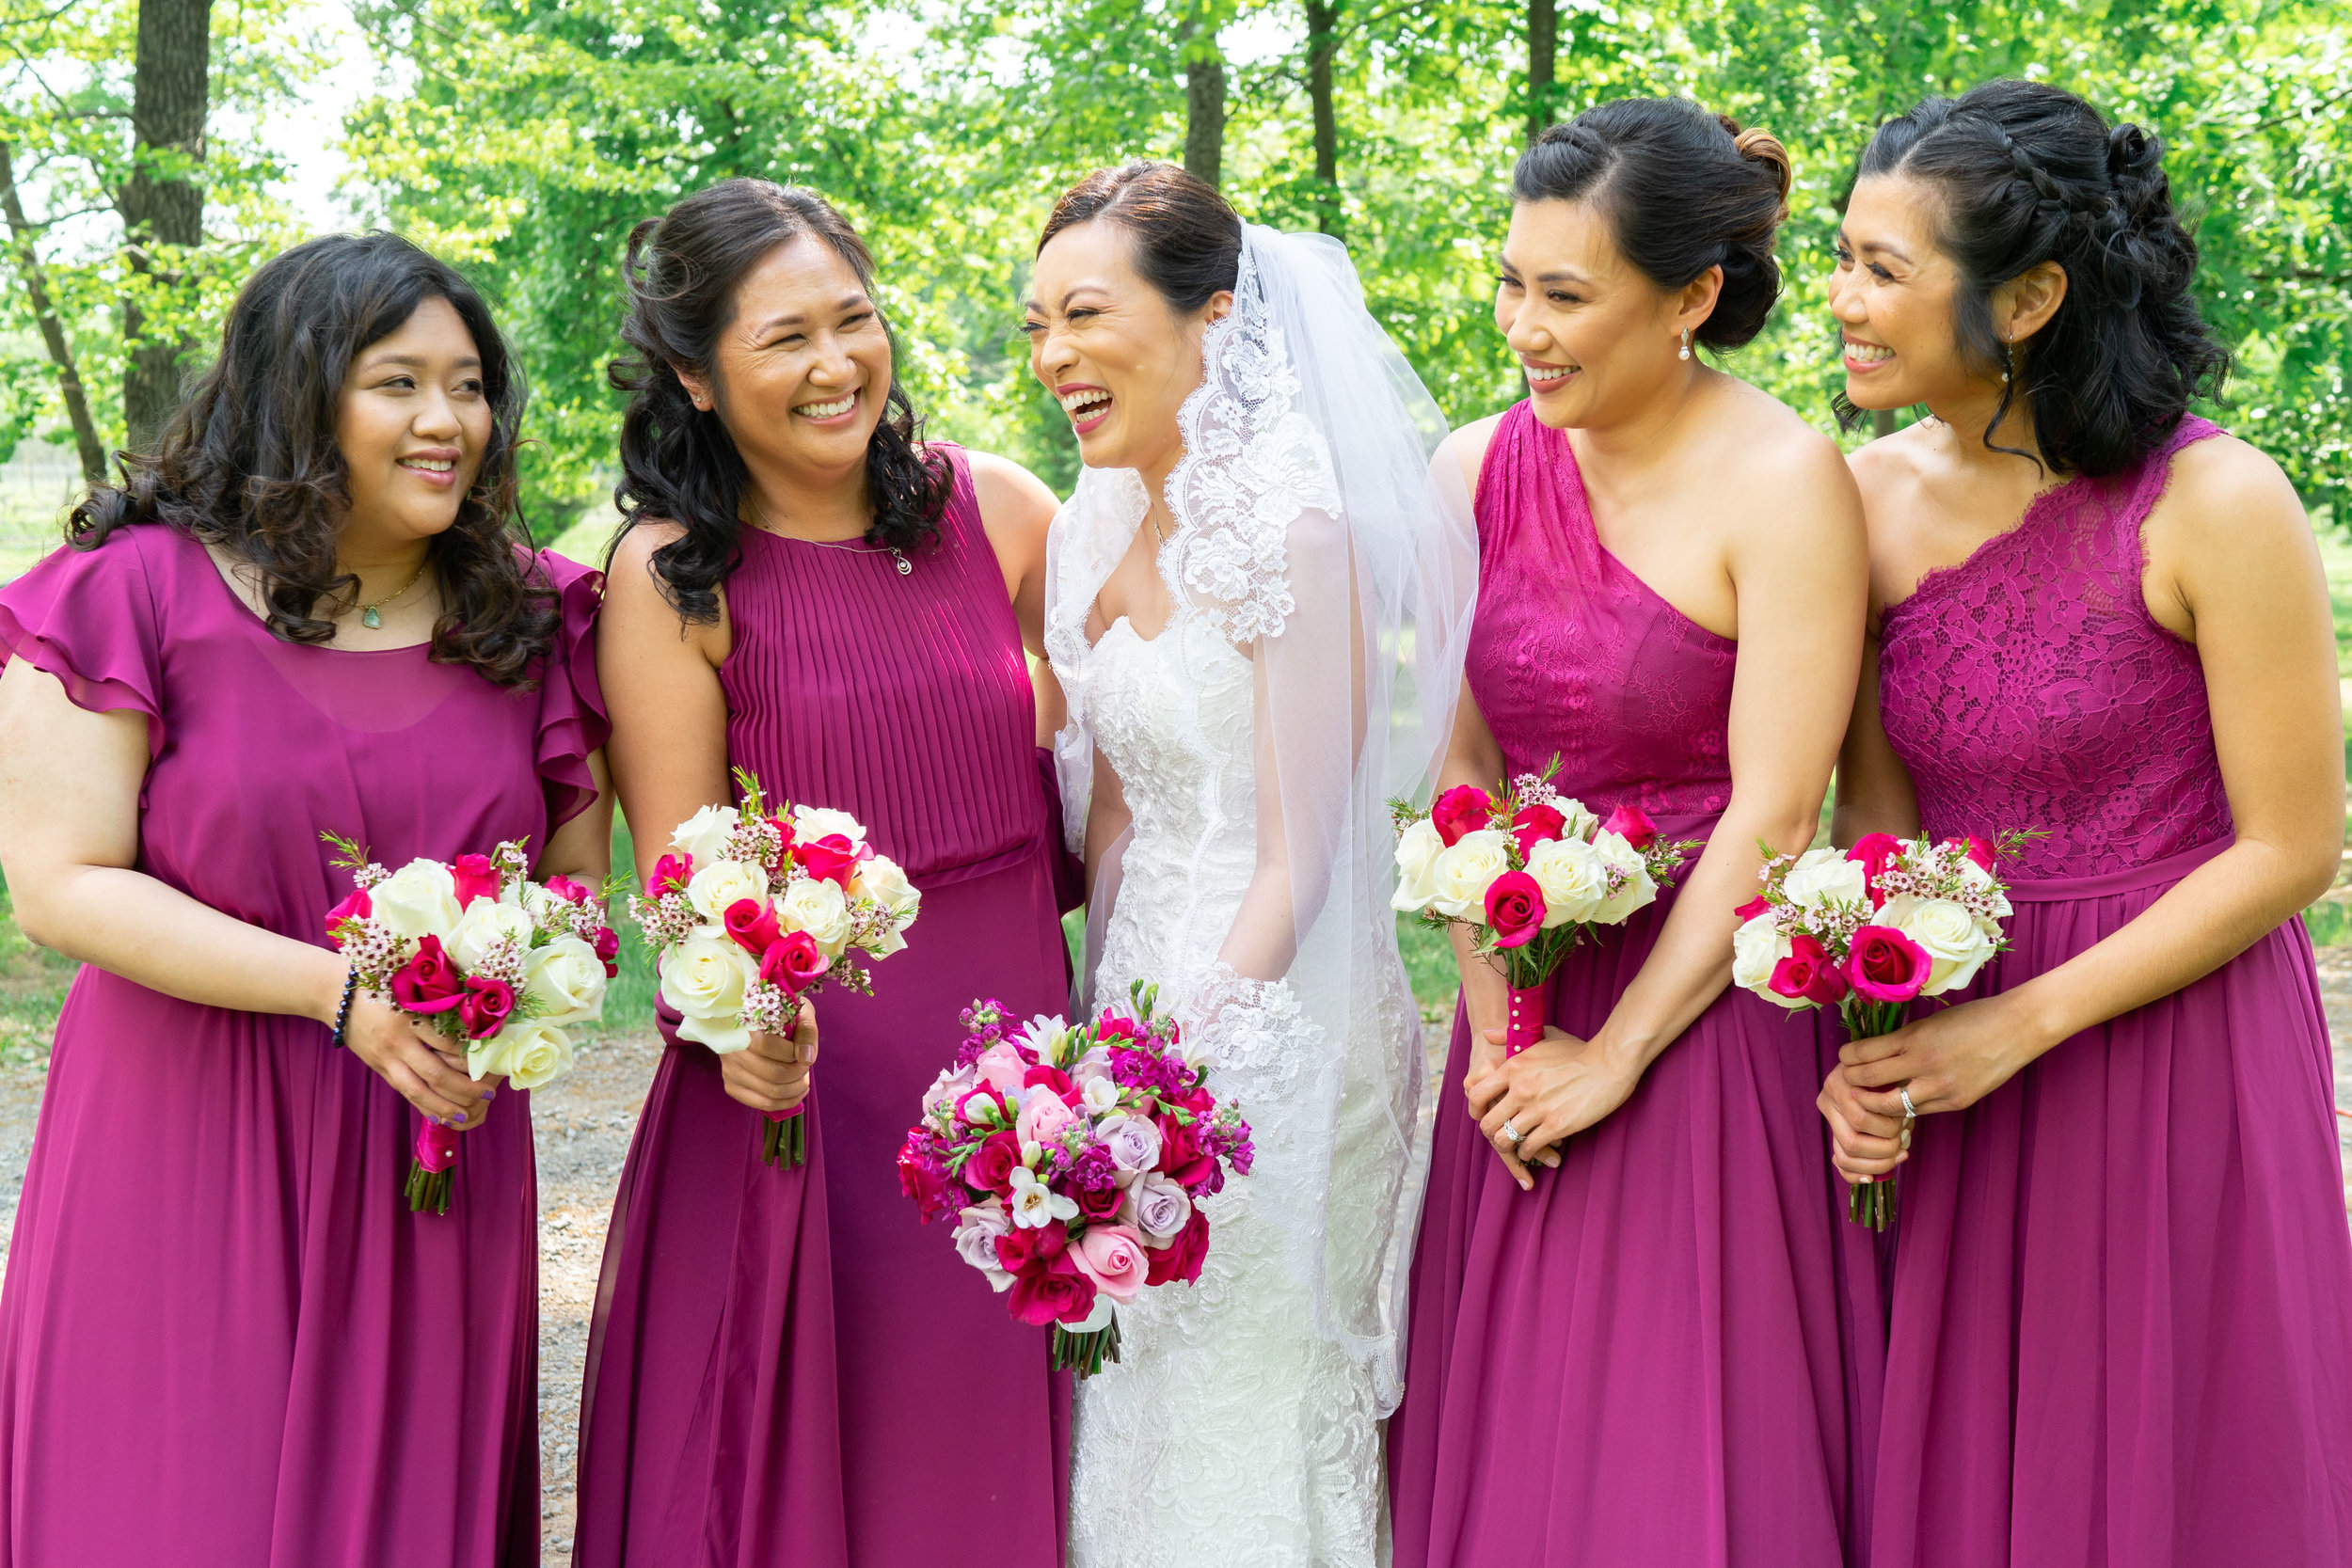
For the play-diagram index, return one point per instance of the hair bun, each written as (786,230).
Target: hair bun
(2132,151)
(1759,146)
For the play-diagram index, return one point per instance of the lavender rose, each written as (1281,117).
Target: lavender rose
(1134,1143)
(977,1230)
(1158,1206)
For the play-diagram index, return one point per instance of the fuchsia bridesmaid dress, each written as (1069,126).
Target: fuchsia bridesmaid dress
(2121,1314)
(786,1368)
(224,1338)
(1646,1359)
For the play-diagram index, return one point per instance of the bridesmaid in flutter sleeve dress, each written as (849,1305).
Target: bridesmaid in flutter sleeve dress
(1626,1337)
(2119,1304)
(225,1341)
(806,591)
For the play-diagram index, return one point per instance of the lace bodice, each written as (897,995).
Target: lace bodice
(2028,688)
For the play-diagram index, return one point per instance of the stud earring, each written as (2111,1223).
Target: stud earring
(1685,352)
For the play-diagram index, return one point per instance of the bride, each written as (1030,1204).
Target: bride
(1229,599)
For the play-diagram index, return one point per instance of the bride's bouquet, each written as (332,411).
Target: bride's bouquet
(754,909)
(1530,871)
(1869,931)
(1073,1160)
(485,958)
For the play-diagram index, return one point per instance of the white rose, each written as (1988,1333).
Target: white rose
(1618,854)
(823,821)
(1417,850)
(1948,934)
(720,884)
(1576,818)
(880,879)
(1756,949)
(703,837)
(529,1056)
(1822,875)
(418,900)
(484,925)
(817,907)
(567,978)
(1573,879)
(1466,869)
(1976,876)
(704,978)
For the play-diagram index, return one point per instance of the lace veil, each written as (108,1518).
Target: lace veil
(1312,531)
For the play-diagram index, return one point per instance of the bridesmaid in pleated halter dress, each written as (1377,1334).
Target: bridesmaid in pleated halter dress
(1626,1337)
(805,592)
(2120,1300)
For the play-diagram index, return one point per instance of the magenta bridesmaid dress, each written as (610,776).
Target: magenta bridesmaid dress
(224,1339)
(2121,1309)
(785,1370)
(1645,1360)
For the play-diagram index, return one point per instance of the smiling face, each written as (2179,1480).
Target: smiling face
(1111,350)
(1597,336)
(803,365)
(412,423)
(1893,294)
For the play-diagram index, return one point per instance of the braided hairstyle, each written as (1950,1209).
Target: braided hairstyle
(1684,190)
(2029,174)
(677,462)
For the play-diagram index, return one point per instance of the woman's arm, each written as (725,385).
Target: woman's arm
(581,848)
(1874,794)
(2229,543)
(1017,510)
(70,784)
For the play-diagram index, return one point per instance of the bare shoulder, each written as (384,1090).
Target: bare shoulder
(1784,476)
(1009,496)
(2226,492)
(1889,461)
(1467,448)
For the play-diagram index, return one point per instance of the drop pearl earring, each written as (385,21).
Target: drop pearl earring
(1684,352)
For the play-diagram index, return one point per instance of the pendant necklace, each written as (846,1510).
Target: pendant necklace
(897,557)
(368,616)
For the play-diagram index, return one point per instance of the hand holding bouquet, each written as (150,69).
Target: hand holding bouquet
(1867,931)
(752,911)
(1074,1160)
(1530,871)
(476,952)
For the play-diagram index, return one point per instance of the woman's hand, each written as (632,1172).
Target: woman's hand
(1552,1090)
(1865,1144)
(1482,1084)
(1949,1059)
(418,1063)
(772,1072)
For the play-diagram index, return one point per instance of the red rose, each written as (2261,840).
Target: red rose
(990,1168)
(1978,850)
(477,878)
(1181,1158)
(1099,1203)
(782,826)
(1514,909)
(1182,1258)
(1463,809)
(1053,1078)
(832,858)
(486,1008)
(1117,1026)
(1886,965)
(1024,1246)
(1875,852)
(1753,907)
(428,982)
(607,947)
(1633,824)
(1534,825)
(669,872)
(1807,972)
(356,904)
(1057,1294)
(919,1177)
(752,922)
(568,889)
(792,961)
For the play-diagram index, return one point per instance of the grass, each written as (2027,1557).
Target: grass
(33,982)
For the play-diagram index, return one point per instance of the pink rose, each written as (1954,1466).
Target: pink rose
(1118,1026)
(671,873)
(1057,1292)
(991,1166)
(1514,909)
(1463,809)
(752,922)
(607,947)
(1874,853)
(964,1103)
(1053,1078)
(1001,1066)
(1807,972)
(1113,1256)
(921,1178)
(1182,1258)
(429,982)
(486,1007)
(1536,824)
(1633,824)
(355,904)
(477,878)
(792,960)
(568,889)
(1978,850)
(1886,965)
(832,858)
(1026,1246)
(1043,1116)
(1753,907)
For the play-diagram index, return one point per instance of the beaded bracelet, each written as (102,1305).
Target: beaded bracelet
(343,1014)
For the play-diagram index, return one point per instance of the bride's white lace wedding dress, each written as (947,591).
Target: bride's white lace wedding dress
(1240,1427)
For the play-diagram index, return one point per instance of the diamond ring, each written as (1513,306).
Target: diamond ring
(1910,1111)
(1510,1131)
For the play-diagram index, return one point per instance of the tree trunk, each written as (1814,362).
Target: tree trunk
(1543,44)
(171,92)
(1323,19)
(1204,106)
(92,451)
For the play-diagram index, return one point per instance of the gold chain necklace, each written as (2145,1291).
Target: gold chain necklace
(368,616)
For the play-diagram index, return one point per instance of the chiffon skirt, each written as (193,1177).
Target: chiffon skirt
(1651,1358)
(2121,1327)
(224,1339)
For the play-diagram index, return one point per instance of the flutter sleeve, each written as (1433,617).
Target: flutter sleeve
(89,618)
(572,723)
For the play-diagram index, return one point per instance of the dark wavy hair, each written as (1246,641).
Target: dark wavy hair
(250,462)
(1684,190)
(2028,174)
(679,463)
(1187,239)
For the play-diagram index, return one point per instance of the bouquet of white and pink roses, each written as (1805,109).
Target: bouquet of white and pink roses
(1869,931)
(484,957)
(753,911)
(1074,1160)
(1530,871)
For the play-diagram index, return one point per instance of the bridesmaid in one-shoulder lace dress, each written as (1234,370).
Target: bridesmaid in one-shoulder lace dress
(2120,1302)
(770,1344)
(1637,1355)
